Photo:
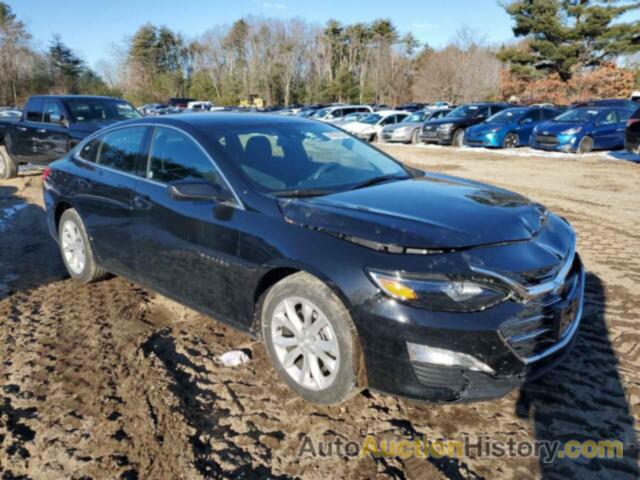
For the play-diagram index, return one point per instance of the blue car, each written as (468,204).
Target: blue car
(508,128)
(583,129)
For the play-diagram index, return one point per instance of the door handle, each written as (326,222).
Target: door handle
(41,130)
(142,202)
(22,129)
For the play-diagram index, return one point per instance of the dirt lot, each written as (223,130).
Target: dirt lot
(114,381)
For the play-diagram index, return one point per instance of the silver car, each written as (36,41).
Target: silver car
(408,131)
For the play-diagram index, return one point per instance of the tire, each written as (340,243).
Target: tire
(585,145)
(75,246)
(294,295)
(373,138)
(8,168)
(458,138)
(415,137)
(511,140)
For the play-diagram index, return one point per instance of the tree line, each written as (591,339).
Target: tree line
(564,50)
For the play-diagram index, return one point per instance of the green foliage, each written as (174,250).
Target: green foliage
(566,35)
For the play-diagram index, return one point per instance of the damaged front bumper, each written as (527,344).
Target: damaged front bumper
(510,344)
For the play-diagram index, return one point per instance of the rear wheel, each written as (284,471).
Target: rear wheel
(76,249)
(310,339)
(510,140)
(8,168)
(585,145)
(458,138)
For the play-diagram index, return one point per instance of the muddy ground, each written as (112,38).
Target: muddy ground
(113,381)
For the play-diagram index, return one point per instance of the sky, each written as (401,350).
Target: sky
(93,27)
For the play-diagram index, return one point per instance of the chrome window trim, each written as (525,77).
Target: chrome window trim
(238,203)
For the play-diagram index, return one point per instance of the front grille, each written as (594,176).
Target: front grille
(547,140)
(547,320)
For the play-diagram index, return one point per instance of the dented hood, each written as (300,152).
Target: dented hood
(428,212)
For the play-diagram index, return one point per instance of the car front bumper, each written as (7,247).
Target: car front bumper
(502,338)
(439,136)
(555,143)
(396,136)
(485,139)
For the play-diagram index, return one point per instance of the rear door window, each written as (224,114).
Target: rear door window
(122,149)
(33,110)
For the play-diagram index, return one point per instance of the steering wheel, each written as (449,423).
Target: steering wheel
(327,167)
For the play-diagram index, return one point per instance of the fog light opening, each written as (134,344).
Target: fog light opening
(447,358)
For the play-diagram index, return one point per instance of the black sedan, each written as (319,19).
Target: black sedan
(450,129)
(354,270)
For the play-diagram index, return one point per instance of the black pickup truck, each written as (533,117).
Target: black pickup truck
(51,125)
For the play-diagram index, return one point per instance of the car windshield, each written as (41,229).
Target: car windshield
(370,119)
(507,116)
(85,110)
(321,113)
(464,111)
(579,115)
(302,158)
(414,118)
(352,117)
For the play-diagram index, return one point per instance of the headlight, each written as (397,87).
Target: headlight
(439,292)
(494,130)
(446,126)
(572,131)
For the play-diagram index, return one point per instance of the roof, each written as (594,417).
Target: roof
(206,120)
(70,97)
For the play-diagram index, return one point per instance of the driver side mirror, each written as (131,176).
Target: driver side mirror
(57,119)
(198,190)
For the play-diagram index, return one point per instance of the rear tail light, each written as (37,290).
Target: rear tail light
(46,173)
(631,121)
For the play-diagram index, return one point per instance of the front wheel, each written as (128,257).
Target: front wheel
(310,339)
(510,141)
(585,145)
(8,168)
(415,138)
(458,138)
(76,249)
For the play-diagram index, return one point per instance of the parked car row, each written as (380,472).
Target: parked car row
(586,126)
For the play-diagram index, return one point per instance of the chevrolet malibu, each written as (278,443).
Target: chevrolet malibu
(354,270)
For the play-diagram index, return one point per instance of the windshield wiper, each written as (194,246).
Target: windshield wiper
(300,193)
(380,179)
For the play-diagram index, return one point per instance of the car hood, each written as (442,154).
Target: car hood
(485,127)
(357,127)
(429,212)
(554,128)
(454,120)
(391,128)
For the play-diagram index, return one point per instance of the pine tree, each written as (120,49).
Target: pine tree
(565,35)
(66,67)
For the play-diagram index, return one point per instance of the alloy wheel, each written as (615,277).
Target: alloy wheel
(510,141)
(73,247)
(305,343)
